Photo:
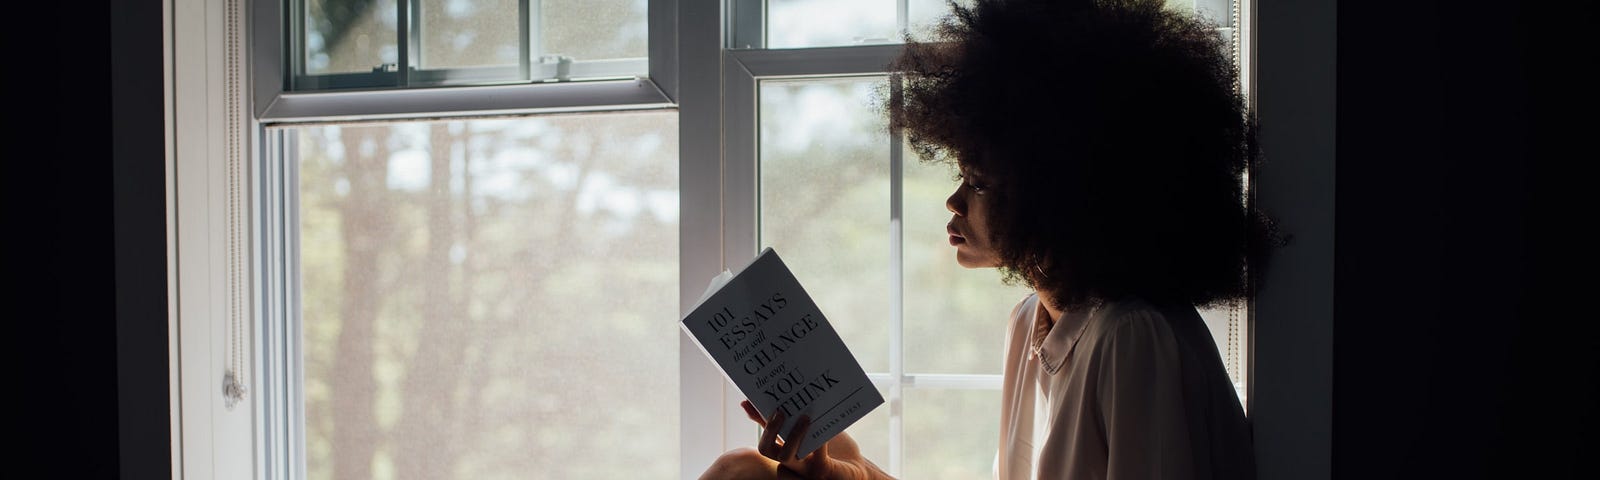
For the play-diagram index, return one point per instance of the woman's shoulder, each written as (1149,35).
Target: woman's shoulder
(1024,306)
(1129,318)
(1022,315)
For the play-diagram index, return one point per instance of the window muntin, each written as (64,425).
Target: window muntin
(489,297)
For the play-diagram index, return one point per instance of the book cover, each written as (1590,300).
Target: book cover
(770,339)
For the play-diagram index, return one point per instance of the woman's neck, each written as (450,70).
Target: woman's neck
(1047,301)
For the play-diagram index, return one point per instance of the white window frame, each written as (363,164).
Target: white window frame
(691,70)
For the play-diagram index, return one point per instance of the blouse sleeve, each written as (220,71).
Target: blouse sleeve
(1141,401)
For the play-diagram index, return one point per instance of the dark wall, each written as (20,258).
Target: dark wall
(1456,355)
(86,328)
(139,207)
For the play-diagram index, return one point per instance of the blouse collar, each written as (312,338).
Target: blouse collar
(1052,344)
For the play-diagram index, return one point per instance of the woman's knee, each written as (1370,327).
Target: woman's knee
(741,463)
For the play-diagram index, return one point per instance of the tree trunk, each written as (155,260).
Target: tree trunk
(364,226)
(427,438)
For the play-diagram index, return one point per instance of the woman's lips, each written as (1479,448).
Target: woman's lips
(955,236)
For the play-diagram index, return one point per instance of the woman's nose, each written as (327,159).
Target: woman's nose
(955,203)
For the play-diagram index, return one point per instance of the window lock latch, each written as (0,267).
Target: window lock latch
(562,64)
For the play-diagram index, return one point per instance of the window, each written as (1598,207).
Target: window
(408,232)
(484,298)
(417,260)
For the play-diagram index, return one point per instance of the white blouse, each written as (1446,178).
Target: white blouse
(1129,391)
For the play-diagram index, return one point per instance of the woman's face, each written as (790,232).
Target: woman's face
(968,227)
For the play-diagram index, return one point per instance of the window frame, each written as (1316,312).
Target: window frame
(219,201)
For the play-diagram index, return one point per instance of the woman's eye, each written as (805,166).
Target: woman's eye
(976,187)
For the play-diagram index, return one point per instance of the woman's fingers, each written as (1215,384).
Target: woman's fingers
(768,446)
(791,443)
(750,411)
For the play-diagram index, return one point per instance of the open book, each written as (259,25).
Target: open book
(768,337)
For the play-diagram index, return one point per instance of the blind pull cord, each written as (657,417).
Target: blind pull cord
(233,377)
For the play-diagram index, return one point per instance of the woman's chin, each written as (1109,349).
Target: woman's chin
(968,260)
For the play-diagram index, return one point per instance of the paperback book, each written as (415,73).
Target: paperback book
(770,340)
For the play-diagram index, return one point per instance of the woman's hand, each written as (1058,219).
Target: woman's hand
(838,459)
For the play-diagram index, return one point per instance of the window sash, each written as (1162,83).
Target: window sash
(273,67)
(277,429)
(406,74)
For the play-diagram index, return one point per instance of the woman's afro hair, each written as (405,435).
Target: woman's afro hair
(1113,135)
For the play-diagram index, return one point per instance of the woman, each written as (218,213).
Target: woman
(1101,147)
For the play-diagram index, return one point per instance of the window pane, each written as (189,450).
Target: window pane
(489,298)
(951,434)
(594,29)
(825,203)
(468,33)
(822,23)
(871,433)
(956,318)
(350,36)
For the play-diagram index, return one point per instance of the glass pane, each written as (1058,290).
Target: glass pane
(593,29)
(469,33)
(825,202)
(951,434)
(871,433)
(956,318)
(489,298)
(350,36)
(823,23)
